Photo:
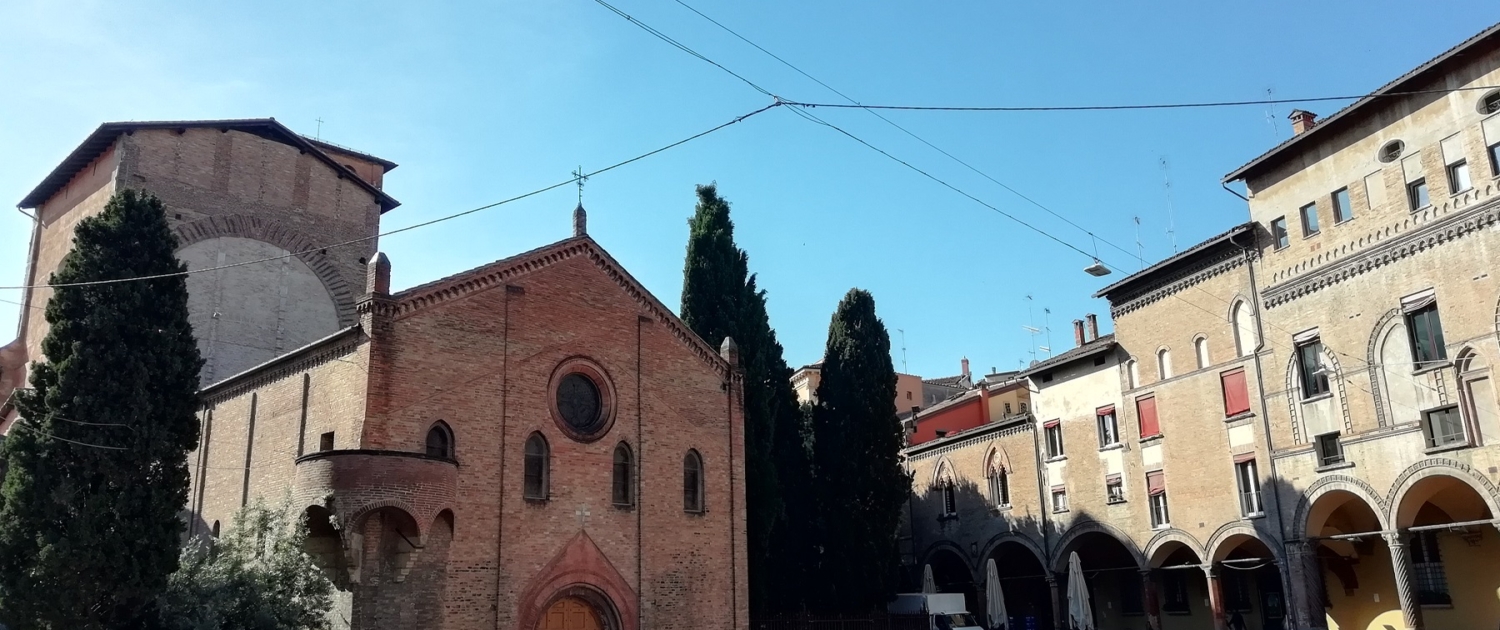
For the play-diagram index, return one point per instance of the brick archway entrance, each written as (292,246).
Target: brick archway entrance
(571,613)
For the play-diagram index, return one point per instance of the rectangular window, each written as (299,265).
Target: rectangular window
(1495,159)
(950,499)
(1342,209)
(1310,365)
(1427,565)
(1156,492)
(1330,451)
(1145,409)
(325,441)
(1109,430)
(1310,219)
(1458,177)
(1114,489)
(1175,593)
(1443,426)
(1426,330)
(1054,439)
(1131,598)
(1278,232)
(1236,394)
(1236,590)
(1059,499)
(1491,128)
(1416,194)
(1249,484)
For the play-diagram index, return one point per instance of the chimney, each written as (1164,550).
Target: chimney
(1078,332)
(965,364)
(1302,120)
(1093,326)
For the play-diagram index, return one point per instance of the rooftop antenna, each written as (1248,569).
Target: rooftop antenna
(1047,327)
(1140,252)
(903,349)
(1031,319)
(318,135)
(1166,178)
(579,177)
(1271,111)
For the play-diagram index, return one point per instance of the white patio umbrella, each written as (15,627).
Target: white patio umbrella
(994,598)
(928,586)
(1080,615)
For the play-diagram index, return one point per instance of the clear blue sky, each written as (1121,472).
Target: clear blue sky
(481,101)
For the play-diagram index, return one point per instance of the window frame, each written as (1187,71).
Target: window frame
(1314,384)
(1343,210)
(999,481)
(1494,151)
(1280,238)
(1309,216)
(1432,322)
(1053,432)
(1412,198)
(541,459)
(1175,599)
(1114,489)
(1326,457)
(442,430)
(622,480)
(1429,576)
(1247,480)
(1429,431)
(1108,424)
(1059,498)
(1224,389)
(1164,364)
(1453,170)
(694,494)
(1140,418)
(1161,517)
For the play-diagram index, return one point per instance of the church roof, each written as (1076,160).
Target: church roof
(268,128)
(500,272)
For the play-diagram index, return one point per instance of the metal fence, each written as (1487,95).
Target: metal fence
(874,621)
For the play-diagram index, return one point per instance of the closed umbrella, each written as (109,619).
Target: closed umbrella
(994,598)
(928,586)
(1080,614)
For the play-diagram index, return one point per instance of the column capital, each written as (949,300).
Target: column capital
(1296,548)
(1394,539)
(1210,569)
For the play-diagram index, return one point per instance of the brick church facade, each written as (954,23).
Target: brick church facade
(535,443)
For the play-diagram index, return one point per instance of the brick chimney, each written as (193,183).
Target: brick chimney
(965,364)
(1302,120)
(1078,338)
(1093,326)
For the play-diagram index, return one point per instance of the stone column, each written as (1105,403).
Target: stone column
(1215,596)
(1059,609)
(1305,601)
(1151,600)
(1406,592)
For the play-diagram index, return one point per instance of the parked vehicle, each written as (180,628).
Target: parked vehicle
(944,611)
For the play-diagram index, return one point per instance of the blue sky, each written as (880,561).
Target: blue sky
(483,101)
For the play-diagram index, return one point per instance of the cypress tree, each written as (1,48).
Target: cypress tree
(97,463)
(720,299)
(857,440)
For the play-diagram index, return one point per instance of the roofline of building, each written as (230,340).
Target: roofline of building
(280,360)
(1018,420)
(1346,115)
(1174,260)
(1103,343)
(107,133)
(324,144)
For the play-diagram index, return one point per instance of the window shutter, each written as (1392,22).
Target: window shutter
(1307,336)
(1111,478)
(1375,190)
(1051,423)
(1411,167)
(1244,457)
(1418,301)
(1146,409)
(1156,483)
(1236,394)
(1453,149)
(1105,410)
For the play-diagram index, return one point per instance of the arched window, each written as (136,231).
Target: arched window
(1200,348)
(1477,392)
(440,441)
(1244,328)
(623,487)
(1133,373)
(692,482)
(1163,364)
(538,463)
(999,480)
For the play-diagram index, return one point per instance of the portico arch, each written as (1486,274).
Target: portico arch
(1169,540)
(1445,514)
(1447,484)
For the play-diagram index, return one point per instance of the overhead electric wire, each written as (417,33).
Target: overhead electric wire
(902,129)
(450,217)
(1097,108)
(683,47)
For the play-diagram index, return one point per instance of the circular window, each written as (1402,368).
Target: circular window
(1391,151)
(581,400)
(1490,103)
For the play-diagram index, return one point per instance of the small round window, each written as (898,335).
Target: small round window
(1391,151)
(1490,103)
(578,402)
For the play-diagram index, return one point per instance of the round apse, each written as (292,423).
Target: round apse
(582,400)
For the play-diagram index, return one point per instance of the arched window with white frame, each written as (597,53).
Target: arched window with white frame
(1163,364)
(1244,328)
(1200,349)
(999,481)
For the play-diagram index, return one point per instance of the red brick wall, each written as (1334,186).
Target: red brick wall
(965,415)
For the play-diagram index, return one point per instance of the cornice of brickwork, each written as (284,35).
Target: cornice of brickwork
(327,349)
(984,434)
(1225,261)
(1453,226)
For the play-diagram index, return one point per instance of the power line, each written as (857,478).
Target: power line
(683,47)
(1097,108)
(450,217)
(25,425)
(904,130)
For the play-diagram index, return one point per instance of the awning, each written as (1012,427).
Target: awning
(1156,483)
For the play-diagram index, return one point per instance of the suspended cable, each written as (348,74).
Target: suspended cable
(1096,108)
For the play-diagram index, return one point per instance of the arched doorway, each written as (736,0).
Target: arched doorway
(1452,550)
(952,575)
(1023,584)
(1250,583)
(571,613)
(1181,587)
(1111,573)
(1348,578)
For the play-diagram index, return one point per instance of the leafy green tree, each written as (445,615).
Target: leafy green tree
(720,299)
(97,463)
(861,485)
(256,578)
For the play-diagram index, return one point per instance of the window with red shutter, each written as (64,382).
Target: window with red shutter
(1236,395)
(1145,408)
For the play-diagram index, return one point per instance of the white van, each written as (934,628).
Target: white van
(944,611)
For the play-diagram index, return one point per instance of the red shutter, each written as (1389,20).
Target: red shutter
(1105,410)
(1145,408)
(1236,396)
(1051,423)
(1156,483)
(1244,457)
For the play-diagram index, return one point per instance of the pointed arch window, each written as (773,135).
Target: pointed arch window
(999,480)
(623,487)
(440,441)
(1244,329)
(538,465)
(692,483)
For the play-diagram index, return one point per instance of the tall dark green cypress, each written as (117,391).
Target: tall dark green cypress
(720,298)
(861,485)
(97,463)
